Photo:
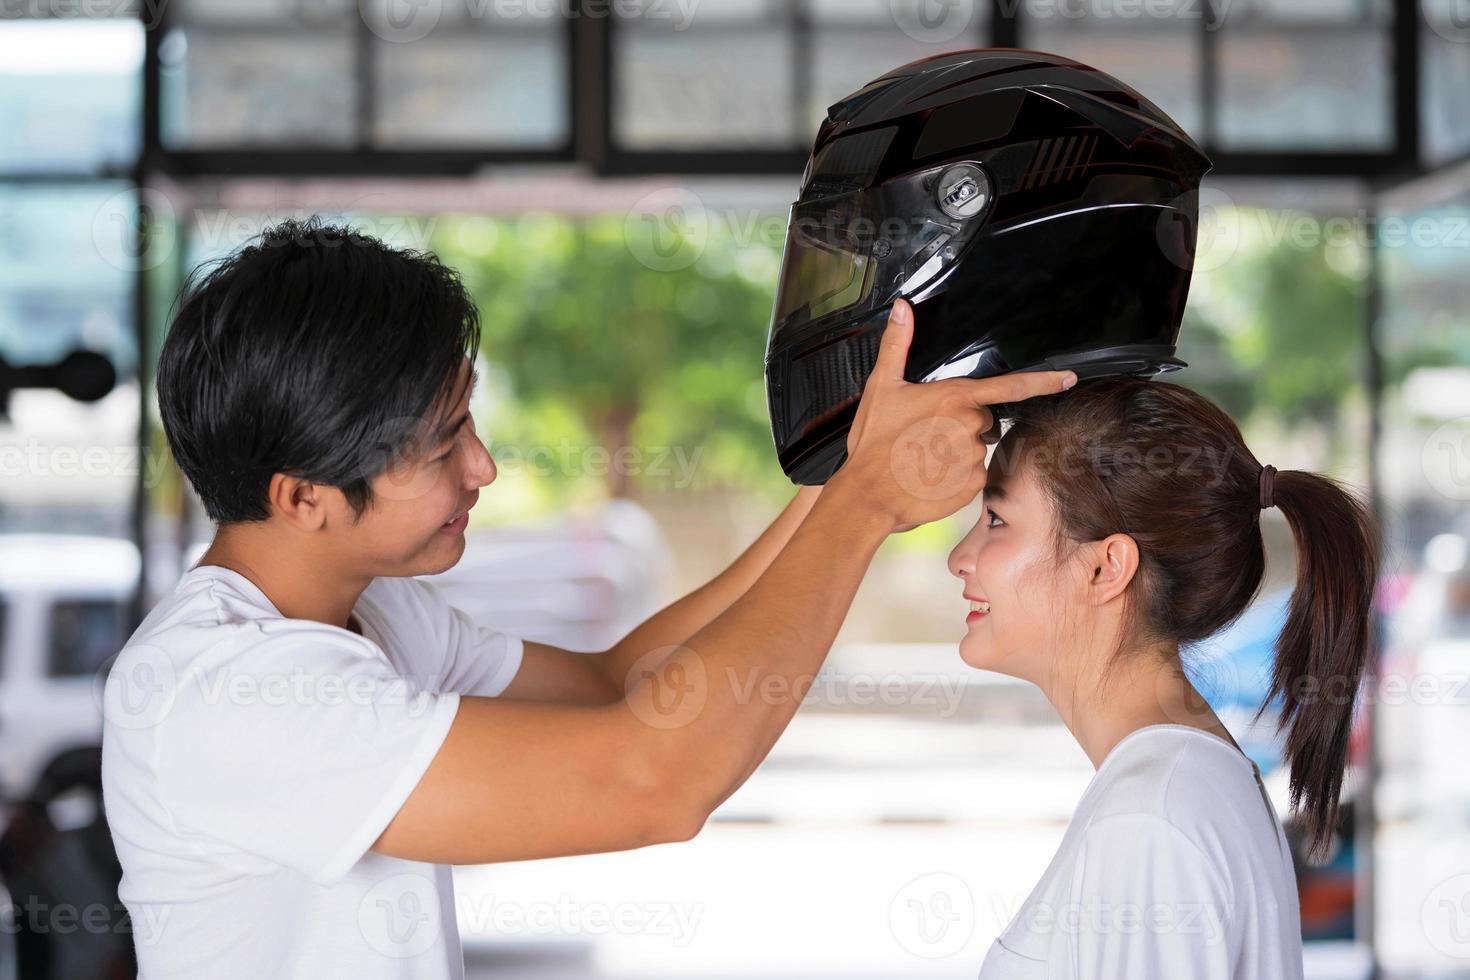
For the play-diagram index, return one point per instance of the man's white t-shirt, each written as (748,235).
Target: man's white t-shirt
(249,762)
(1174,866)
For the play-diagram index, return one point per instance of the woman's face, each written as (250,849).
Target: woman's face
(1007,561)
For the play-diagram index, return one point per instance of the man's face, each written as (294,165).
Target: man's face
(436,478)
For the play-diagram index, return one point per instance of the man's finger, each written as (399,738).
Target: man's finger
(893,354)
(1016,386)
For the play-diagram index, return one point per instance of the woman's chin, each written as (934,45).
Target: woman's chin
(977,653)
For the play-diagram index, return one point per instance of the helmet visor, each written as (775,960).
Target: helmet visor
(827,266)
(848,254)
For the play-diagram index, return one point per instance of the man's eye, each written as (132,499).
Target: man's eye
(440,459)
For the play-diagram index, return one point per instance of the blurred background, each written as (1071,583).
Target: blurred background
(611,179)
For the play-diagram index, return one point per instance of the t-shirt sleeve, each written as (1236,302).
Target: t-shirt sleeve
(1147,902)
(297,747)
(478,660)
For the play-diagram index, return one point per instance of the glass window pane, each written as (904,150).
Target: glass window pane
(302,13)
(474,89)
(1154,48)
(844,60)
(66,277)
(70,94)
(942,25)
(65,281)
(233,87)
(1310,76)
(855,41)
(1423,789)
(1445,80)
(723,79)
(84,633)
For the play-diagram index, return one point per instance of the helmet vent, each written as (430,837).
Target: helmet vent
(1059,158)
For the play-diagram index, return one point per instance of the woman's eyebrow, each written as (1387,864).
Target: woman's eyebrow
(993,492)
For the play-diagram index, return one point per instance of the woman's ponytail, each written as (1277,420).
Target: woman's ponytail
(1325,643)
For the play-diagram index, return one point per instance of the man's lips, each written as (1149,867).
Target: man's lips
(460,513)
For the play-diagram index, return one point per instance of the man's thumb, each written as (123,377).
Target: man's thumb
(893,354)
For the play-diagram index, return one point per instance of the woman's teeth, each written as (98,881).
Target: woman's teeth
(977,606)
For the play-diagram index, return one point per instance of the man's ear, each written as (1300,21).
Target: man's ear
(1114,562)
(300,503)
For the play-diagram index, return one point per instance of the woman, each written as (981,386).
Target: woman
(1121,524)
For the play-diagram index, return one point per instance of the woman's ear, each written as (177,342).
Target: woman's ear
(1113,562)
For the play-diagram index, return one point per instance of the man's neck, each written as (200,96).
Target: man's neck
(298,584)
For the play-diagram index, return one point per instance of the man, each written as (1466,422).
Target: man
(302,738)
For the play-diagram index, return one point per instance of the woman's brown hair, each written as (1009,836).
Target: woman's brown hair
(1168,467)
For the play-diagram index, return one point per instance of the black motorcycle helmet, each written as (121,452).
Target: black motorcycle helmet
(1038,214)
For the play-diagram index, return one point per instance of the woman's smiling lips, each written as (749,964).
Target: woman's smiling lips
(978,608)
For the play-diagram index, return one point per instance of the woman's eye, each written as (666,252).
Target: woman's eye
(993,517)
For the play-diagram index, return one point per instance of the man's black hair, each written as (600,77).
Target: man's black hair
(313,351)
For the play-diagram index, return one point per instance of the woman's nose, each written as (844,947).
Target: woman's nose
(961,561)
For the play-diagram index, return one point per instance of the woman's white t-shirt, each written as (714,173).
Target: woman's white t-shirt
(1174,867)
(250,761)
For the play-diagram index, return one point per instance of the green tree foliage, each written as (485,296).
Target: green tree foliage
(648,358)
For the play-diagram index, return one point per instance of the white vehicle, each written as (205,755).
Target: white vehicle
(63,614)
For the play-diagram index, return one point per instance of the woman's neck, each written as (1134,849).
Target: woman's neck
(1145,688)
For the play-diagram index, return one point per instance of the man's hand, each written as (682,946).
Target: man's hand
(917,450)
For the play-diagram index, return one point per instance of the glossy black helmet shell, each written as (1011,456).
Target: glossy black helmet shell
(1038,213)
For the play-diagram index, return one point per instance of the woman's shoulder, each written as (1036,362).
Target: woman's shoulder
(1173,823)
(1194,795)
(1195,781)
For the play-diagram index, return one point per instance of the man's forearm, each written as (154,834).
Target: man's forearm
(678,621)
(719,702)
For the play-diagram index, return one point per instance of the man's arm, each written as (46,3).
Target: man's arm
(517,780)
(520,780)
(549,673)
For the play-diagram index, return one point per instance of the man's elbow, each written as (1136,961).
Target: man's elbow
(671,804)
